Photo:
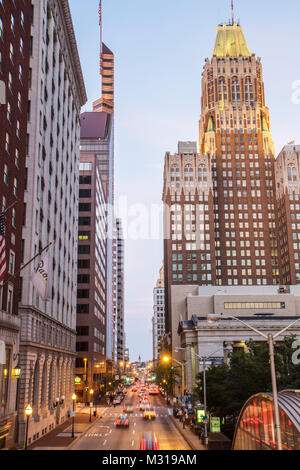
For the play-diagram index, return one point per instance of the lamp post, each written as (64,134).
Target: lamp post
(204,359)
(91,403)
(212,317)
(73,415)
(28,412)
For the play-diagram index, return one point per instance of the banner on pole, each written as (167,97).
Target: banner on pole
(42,277)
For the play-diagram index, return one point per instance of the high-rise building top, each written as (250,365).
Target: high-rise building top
(230,41)
(106,102)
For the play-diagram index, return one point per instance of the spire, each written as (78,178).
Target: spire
(232,11)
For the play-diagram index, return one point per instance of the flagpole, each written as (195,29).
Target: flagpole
(29,262)
(11,206)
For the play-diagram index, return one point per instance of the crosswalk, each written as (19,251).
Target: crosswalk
(138,415)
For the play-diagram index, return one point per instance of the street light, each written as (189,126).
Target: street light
(204,358)
(91,403)
(213,317)
(28,412)
(73,415)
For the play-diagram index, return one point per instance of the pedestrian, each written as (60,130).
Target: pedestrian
(69,414)
(184,420)
(179,414)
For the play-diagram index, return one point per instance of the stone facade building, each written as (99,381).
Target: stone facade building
(47,342)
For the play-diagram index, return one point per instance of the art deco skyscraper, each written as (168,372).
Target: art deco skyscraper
(235,132)
(220,204)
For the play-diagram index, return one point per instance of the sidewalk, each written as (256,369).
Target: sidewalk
(61,437)
(193,441)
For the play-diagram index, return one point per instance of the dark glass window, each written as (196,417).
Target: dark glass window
(82,330)
(85,179)
(83,293)
(84,193)
(82,346)
(83,263)
(85,207)
(84,221)
(83,279)
(84,249)
(83,308)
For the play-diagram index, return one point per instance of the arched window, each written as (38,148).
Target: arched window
(188,175)
(291,175)
(235,89)
(222,89)
(36,387)
(248,89)
(50,387)
(202,176)
(44,384)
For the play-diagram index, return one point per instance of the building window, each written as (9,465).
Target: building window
(254,305)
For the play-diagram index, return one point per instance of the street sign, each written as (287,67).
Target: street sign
(215,424)
(73,414)
(200,416)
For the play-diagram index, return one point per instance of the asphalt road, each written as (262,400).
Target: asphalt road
(104,435)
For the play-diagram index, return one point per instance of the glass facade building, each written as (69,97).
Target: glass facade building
(255,429)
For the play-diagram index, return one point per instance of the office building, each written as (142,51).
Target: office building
(158,319)
(48,328)
(91,279)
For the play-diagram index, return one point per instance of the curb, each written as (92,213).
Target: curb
(186,438)
(84,432)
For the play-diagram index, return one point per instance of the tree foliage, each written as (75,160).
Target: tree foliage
(165,377)
(228,387)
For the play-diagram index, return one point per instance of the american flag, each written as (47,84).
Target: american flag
(2,247)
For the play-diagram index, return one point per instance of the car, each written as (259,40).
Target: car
(149,442)
(128,408)
(122,421)
(149,414)
(143,405)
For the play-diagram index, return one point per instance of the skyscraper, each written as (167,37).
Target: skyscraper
(92,243)
(95,220)
(158,319)
(235,134)
(221,224)
(48,329)
(120,320)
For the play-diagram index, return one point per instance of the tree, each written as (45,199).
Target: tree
(229,386)
(165,377)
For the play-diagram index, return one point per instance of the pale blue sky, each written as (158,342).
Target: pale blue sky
(160,47)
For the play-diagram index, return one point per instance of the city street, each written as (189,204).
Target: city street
(105,436)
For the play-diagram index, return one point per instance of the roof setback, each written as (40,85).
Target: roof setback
(94,125)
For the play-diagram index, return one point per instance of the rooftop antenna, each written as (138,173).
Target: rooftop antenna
(100,24)
(232,10)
